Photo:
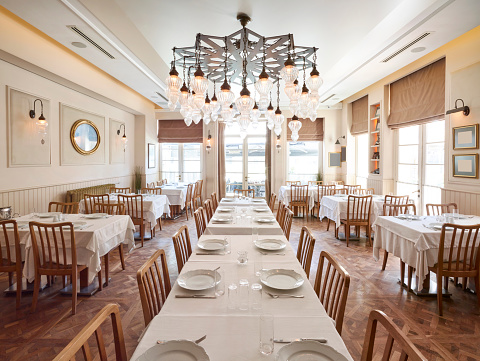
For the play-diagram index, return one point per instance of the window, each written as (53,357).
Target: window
(362,161)
(304,161)
(181,162)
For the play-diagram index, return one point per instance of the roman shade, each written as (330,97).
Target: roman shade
(419,97)
(309,131)
(359,116)
(176,131)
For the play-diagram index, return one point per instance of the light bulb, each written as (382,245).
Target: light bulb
(313,115)
(244,122)
(289,72)
(270,123)
(294,106)
(184,110)
(295,125)
(270,113)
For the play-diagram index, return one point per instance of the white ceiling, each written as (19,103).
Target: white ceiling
(353,36)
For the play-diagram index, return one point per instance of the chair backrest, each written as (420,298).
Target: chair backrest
(305,249)
(160,183)
(331,286)
(298,194)
(154,285)
(52,244)
(395,335)
(10,243)
(365,191)
(359,208)
(133,206)
(110,208)
(67,208)
(155,191)
(280,212)
(396,199)
(273,199)
(151,185)
(315,183)
(208,209)
(91,199)
(245,192)
(396,209)
(80,342)
(189,195)
(352,189)
(165,181)
(439,209)
(125,190)
(200,221)
(340,191)
(183,247)
(214,201)
(324,190)
(340,183)
(198,188)
(289,183)
(287,223)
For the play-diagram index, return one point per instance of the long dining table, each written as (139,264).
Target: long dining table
(233,334)
(177,195)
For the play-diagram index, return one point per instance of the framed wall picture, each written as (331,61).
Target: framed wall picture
(465,137)
(151,155)
(334,159)
(343,154)
(465,165)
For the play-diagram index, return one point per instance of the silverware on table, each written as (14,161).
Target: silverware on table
(272,254)
(194,296)
(196,341)
(283,295)
(281,340)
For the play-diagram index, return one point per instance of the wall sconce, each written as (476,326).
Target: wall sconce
(208,147)
(278,145)
(338,139)
(463,108)
(41,123)
(124,138)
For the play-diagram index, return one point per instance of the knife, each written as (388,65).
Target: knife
(281,340)
(194,296)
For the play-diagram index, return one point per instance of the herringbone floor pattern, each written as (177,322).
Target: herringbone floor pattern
(456,336)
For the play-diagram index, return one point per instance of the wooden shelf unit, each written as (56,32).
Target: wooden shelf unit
(375,140)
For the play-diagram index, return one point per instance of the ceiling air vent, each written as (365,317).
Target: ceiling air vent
(324,100)
(161,96)
(399,51)
(87,38)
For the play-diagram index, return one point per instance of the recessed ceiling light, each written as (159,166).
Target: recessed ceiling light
(418,50)
(79,44)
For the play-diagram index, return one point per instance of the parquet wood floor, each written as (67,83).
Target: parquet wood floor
(455,336)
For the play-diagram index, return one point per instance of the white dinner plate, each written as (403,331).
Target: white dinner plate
(197,280)
(261,209)
(221,219)
(225,209)
(212,244)
(175,350)
(281,279)
(412,217)
(438,226)
(270,244)
(265,220)
(48,214)
(95,215)
(227,200)
(308,351)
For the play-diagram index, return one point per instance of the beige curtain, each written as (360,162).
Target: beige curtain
(268,165)
(221,160)
(309,131)
(419,97)
(359,116)
(176,131)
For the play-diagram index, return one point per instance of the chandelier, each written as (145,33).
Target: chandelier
(250,60)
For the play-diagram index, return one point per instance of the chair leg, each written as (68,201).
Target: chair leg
(402,272)
(464,283)
(106,269)
(186,210)
(368,231)
(19,286)
(410,275)
(159,223)
(142,232)
(347,232)
(439,293)
(122,258)
(100,279)
(36,291)
(445,280)
(328,224)
(385,257)
(477,287)
(74,290)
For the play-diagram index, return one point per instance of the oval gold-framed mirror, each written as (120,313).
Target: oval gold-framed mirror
(85,137)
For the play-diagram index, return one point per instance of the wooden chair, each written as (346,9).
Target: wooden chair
(200,221)
(340,191)
(289,183)
(439,209)
(407,349)
(315,183)
(134,209)
(51,246)
(322,190)
(332,283)
(165,181)
(280,212)
(208,209)
(81,341)
(125,190)
(114,209)
(287,223)
(339,183)
(462,258)
(154,285)
(306,244)
(352,189)
(151,185)
(198,193)
(154,191)
(244,192)
(299,198)
(358,214)
(67,208)
(365,192)
(12,264)
(91,199)
(189,200)
(160,183)
(396,199)
(273,198)
(182,245)
(214,201)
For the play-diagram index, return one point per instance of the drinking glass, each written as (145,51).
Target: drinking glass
(254,234)
(242,257)
(219,283)
(228,246)
(258,266)
(256,296)
(266,334)
(243,294)
(455,214)
(232,296)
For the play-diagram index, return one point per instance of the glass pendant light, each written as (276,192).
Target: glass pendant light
(244,103)
(226,96)
(199,83)
(196,116)
(188,121)
(183,99)
(207,107)
(263,84)
(214,102)
(174,82)
(270,113)
(278,118)
(295,125)
(289,72)
(199,101)
(255,113)
(263,103)
(314,82)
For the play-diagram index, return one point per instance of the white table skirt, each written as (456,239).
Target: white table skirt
(285,191)
(177,195)
(96,240)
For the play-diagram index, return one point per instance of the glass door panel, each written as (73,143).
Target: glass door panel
(233,164)
(191,170)
(170,162)
(407,168)
(256,165)
(434,163)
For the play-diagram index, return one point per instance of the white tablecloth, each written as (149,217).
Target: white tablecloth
(176,195)
(335,208)
(411,241)
(243,202)
(98,238)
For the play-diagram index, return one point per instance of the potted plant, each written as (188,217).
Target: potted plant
(138,178)
(319,177)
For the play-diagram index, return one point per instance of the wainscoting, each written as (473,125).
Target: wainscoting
(26,200)
(468,202)
(381,186)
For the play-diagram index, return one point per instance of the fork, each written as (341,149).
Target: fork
(272,254)
(196,341)
(284,296)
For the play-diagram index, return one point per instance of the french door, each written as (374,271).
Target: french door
(420,163)
(181,162)
(245,159)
